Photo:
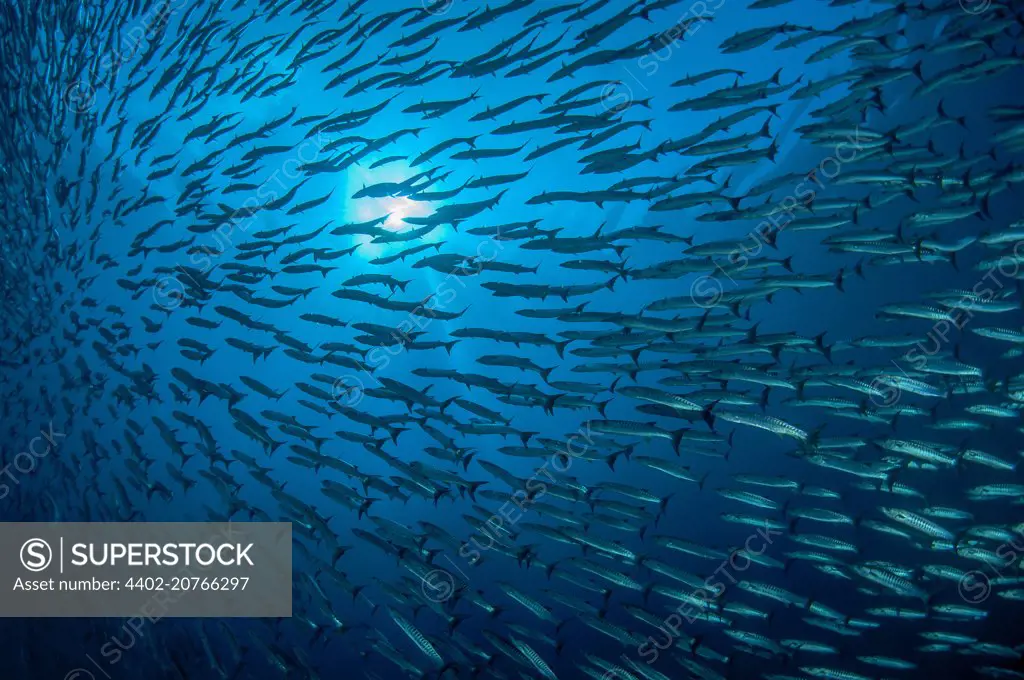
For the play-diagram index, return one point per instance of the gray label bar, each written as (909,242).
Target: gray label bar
(155,569)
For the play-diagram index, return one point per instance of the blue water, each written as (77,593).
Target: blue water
(76,481)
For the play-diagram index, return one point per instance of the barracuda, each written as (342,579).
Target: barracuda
(826,542)
(820,515)
(601,545)
(749,498)
(891,581)
(919,450)
(917,522)
(534,659)
(417,637)
(609,575)
(773,593)
(769,423)
(808,646)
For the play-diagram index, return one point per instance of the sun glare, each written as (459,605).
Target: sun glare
(396,208)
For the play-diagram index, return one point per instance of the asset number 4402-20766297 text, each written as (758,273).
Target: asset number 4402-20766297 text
(184,583)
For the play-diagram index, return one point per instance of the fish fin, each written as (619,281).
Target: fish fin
(677,438)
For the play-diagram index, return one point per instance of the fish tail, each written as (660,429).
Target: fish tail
(677,438)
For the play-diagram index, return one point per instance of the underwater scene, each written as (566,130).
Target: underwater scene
(612,339)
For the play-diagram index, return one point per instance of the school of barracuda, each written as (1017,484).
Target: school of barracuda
(174,272)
